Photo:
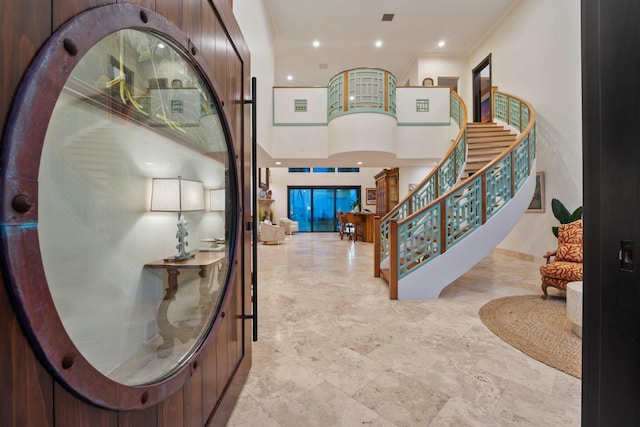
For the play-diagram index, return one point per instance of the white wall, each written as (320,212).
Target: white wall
(439,105)
(253,19)
(284,105)
(535,54)
(435,66)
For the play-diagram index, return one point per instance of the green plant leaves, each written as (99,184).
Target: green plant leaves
(560,211)
(563,215)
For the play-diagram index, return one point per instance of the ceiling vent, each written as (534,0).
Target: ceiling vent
(387,17)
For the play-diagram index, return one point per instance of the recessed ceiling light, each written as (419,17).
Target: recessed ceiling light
(358,163)
(441,43)
(161,45)
(378,43)
(316,43)
(352,98)
(278,163)
(289,77)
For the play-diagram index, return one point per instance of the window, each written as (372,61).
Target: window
(422,105)
(300,105)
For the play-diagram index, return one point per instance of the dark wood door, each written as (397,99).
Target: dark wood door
(611,339)
(35,397)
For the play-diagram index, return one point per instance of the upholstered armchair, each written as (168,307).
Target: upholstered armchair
(567,263)
(271,234)
(290,226)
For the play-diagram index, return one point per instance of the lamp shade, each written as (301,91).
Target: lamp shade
(176,195)
(217,200)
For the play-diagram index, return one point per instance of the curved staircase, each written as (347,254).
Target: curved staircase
(464,208)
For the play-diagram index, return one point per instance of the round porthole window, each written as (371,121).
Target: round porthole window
(122,198)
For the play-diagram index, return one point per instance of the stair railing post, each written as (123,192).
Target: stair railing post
(484,196)
(444,225)
(393,258)
(494,89)
(513,173)
(376,246)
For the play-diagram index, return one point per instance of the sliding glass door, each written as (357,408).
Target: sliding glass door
(315,207)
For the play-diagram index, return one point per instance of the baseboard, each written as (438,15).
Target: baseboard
(514,254)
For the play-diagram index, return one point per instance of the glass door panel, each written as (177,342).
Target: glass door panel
(300,207)
(344,200)
(315,207)
(324,212)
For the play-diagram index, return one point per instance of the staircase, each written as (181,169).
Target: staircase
(485,141)
(465,207)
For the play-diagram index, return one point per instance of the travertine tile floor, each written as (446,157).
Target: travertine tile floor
(333,350)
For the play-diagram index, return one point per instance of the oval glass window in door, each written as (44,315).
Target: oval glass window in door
(133,191)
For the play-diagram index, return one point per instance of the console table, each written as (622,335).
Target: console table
(203,261)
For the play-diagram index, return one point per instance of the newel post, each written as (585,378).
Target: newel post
(494,89)
(393,258)
(376,246)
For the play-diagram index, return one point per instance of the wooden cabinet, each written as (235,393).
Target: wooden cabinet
(387,190)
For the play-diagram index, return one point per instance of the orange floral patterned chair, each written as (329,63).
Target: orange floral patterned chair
(567,266)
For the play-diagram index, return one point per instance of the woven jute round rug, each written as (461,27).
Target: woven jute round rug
(537,327)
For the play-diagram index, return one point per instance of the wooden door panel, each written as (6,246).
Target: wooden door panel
(141,418)
(63,10)
(71,411)
(34,398)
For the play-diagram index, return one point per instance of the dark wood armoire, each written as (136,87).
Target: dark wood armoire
(387,190)
(51,383)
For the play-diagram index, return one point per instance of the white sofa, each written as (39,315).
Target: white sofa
(290,226)
(271,234)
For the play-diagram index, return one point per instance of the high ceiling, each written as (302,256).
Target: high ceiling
(348,29)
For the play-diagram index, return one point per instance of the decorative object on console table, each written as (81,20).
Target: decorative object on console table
(178,195)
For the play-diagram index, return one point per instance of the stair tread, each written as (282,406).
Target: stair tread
(479,150)
(511,137)
(493,143)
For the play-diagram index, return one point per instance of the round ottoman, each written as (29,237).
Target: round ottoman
(574,306)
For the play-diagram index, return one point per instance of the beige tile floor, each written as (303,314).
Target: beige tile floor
(333,350)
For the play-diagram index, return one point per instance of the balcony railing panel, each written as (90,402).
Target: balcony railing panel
(361,90)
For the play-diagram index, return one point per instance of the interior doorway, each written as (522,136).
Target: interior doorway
(481,76)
